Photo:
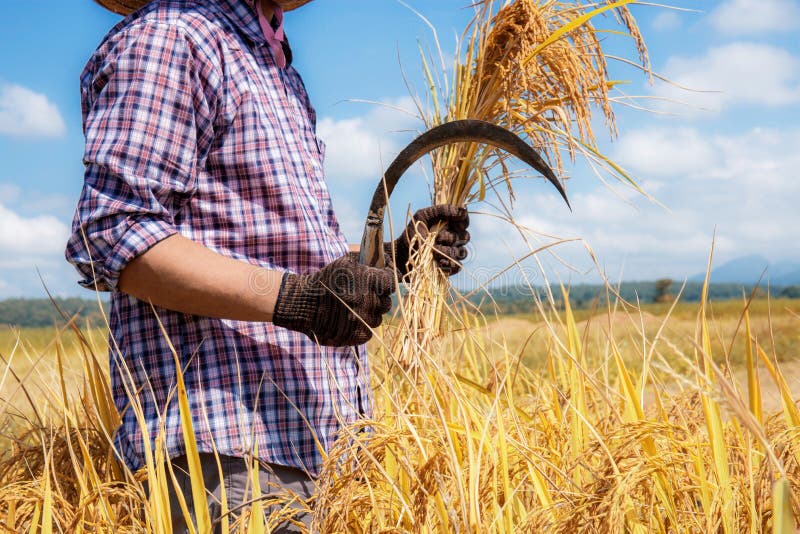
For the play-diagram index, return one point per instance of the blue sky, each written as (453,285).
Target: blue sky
(730,166)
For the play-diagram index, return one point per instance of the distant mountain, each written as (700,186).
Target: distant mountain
(748,270)
(785,274)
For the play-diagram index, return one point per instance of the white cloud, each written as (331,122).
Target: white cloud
(30,247)
(359,148)
(358,151)
(666,20)
(351,220)
(657,152)
(9,193)
(746,17)
(736,73)
(26,113)
(745,185)
(25,238)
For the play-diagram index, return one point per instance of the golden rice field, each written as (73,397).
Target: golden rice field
(514,424)
(520,334)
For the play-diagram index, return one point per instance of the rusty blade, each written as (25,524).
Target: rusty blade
(463,131)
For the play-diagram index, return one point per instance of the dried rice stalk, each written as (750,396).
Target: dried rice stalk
(538,69)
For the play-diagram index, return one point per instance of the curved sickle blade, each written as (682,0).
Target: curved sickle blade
(464,131)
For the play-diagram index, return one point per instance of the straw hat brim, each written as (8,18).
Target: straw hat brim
(126,7)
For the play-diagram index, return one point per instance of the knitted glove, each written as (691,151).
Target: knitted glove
(337,305)
(450,246)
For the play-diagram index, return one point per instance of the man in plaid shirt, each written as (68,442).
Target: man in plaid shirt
(205,211)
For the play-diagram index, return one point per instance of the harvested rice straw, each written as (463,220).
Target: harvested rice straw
(477,442)
(538,69)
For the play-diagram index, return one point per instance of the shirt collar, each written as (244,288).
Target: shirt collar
(244,16)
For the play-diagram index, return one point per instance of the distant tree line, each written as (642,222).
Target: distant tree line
(510,299)
(41,312)
(517,299)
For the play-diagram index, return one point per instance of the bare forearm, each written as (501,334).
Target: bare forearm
(181,275)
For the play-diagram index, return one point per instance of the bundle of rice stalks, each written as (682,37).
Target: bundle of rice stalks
(536,68)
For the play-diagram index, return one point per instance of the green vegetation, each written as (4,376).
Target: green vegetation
(40,313)
(32,313)
(517,299)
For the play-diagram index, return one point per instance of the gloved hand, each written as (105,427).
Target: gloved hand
(337,305)
(450,247)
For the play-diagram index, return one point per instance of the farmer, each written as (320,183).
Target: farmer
(205,213)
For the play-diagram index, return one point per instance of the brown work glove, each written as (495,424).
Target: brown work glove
(337,305)
(450,248)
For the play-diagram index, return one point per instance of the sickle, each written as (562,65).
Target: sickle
(463,131)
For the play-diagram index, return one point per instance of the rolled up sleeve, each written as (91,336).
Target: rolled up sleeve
(143,107)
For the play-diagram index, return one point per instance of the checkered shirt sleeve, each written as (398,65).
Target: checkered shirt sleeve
(143,136)
(193,128)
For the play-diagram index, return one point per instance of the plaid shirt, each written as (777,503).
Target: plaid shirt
(192,128)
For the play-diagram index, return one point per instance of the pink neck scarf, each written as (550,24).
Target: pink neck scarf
(274,36)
